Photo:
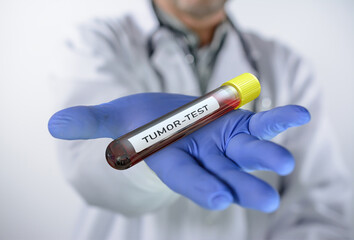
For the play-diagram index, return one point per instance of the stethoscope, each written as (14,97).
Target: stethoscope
(189,51)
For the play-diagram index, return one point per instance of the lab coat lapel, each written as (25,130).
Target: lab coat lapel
(168,59)
(231,61)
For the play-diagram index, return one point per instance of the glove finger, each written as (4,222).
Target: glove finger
(251,154)
(180,172)
(268,124)
(88,122)
(75,123)
(114,118)
(248,191)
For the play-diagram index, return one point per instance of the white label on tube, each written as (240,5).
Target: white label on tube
(170,126)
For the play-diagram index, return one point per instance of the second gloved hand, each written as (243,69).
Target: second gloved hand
(209,166)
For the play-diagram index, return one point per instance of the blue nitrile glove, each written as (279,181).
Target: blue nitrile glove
(210,165)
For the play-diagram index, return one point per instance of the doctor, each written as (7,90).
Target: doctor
(204,184)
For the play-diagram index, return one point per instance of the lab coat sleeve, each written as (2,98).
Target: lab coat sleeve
(316,197)
(97,67)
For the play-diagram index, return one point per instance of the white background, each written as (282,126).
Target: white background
(35,201)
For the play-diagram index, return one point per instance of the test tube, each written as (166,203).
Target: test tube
(133,147)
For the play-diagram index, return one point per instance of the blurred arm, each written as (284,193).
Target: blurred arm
(98,66)
(316,197)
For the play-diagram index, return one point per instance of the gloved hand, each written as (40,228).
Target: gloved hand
(209,166)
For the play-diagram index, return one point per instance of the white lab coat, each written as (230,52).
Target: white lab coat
(108,60)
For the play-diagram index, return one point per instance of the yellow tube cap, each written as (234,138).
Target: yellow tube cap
(247,86)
